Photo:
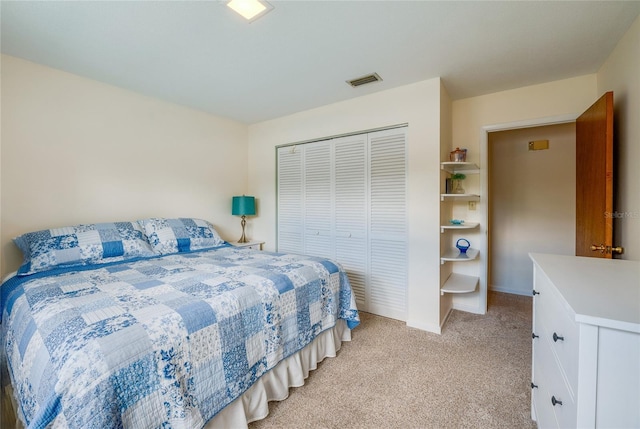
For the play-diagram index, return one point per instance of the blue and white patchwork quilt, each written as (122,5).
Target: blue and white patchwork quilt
(161,342)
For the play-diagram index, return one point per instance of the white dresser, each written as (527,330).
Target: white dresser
(586,342)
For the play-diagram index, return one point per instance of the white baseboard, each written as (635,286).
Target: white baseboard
(511,291)
(424,326)
(468,308)
(446,317)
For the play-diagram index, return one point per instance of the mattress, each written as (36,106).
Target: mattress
(181,340)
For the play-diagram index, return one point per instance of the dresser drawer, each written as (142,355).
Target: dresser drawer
(545,415)
(551,386)
(554,320)
(603,347)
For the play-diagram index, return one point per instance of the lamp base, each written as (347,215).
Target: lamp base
(243,239)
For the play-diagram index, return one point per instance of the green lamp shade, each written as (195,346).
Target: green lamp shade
(243,206)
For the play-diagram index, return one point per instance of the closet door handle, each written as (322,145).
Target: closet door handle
(557,337)
(534,336)
(555,401)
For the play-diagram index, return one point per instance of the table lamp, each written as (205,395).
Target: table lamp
(243,206)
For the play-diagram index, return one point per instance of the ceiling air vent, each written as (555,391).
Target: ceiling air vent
(370,78)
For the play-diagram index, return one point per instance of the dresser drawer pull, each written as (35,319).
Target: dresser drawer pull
(534,386)
(534,336)
(555,401)
(535,292)
(556,337)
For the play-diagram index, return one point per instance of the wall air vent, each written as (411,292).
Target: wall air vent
(370,78)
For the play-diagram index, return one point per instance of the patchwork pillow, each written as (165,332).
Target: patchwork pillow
(180,235)
(81,245)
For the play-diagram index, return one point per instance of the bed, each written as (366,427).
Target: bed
(160,323)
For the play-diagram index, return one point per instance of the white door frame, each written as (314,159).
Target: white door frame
(484,182)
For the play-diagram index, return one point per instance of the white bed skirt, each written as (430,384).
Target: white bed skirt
(273,386)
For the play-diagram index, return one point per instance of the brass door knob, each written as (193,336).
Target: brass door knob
(607,249)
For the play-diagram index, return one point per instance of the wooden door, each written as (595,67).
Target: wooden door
(594,179)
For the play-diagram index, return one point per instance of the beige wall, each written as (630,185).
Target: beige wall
(418,105)
(76,150)
(561,97)
(1,244)
(527,104)
(621,74)
(532,204)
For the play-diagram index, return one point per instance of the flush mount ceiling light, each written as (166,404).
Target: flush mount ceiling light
(250,9)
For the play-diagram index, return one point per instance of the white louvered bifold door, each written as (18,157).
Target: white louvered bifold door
(290,203)
(318,200)
(351,211)
(346,199)
(388,223)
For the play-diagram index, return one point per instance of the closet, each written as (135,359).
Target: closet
(346,198)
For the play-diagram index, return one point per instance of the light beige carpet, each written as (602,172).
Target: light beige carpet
(476,374)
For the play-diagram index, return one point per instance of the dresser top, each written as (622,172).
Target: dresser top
(604,292)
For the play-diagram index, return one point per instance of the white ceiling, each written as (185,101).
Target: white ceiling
(298,56)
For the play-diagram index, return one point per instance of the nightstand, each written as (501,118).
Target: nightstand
(249,245)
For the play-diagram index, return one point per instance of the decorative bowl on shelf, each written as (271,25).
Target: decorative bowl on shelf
(458,155)
(463,244)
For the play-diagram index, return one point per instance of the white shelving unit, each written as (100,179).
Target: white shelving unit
(460,197)
(454,255)
(456,282)
(466,225)
(459,167)
(459,283)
